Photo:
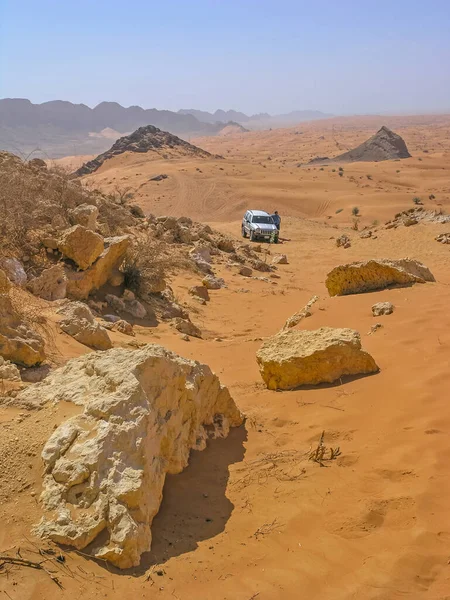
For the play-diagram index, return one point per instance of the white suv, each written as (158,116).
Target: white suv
(259,225)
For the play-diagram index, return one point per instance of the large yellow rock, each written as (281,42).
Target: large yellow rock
(293,358)
(105,270)
(141,413)
(79,322)
(81,245)
(358,277)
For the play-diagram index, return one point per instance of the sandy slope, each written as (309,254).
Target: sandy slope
(268,170)
(252,517)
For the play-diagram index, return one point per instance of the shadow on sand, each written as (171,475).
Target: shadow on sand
(323,386)
(195,506)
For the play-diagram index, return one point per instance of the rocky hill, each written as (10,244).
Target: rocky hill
(384,145)
(144,139)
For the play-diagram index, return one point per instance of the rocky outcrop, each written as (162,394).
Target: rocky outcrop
(358,277)
(81,245)
(85,215)
(143,411)
(19,343)
(415,215)
(382,308)
(79,323)
(105,270)
(293,358)
(51,284)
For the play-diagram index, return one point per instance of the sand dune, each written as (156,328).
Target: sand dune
(267,170)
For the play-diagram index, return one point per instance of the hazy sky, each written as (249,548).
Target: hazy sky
(339,56)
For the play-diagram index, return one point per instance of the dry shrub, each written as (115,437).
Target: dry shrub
(36,202)
(30,198)
(149,261)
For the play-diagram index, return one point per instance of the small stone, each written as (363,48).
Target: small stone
(245,271)
(213,283)
(382,308)
(280,259)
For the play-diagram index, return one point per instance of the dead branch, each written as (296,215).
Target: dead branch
(23,562)
(320,453)
(265,529)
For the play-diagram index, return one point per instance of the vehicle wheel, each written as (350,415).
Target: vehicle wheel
(244,233)
(276,240)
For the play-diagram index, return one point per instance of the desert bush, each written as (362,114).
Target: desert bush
(397,171)
(121,195)
(341,168)
(32,198)
(355,211)
(431,197)
(417,200)
(341,173)
(36,201)
(375,223)
(333,170)
(369,177)
(339,210)
(148,262)
(355,225)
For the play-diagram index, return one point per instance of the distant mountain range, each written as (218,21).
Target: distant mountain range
(258,121)
(59,128)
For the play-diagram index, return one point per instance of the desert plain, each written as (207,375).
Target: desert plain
(252,516)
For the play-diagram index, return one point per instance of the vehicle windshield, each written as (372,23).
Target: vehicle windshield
(261,219)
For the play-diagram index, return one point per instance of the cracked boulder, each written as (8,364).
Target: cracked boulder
(104,270)
(293,358)
(81,245)
(79,323)
(141,413)
(51,283)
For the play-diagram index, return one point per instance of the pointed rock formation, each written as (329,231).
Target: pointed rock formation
(144,139)
(384,145)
